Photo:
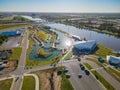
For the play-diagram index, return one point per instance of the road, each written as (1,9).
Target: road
(20,70)
(103,73)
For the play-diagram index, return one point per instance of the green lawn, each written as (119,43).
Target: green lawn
(42,35)
(10,26)
(54,37)
(65,84)
(28,83)
(113,73)
(88,66)
(16,53)
(103,51)
(103,81)
(6,84)
(42,53)
(69,55)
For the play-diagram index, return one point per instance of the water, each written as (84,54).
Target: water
(103,39)
(63,39)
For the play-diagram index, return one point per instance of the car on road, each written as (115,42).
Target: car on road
(16,79)
(79,75)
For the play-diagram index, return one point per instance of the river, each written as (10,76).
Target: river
(103,39)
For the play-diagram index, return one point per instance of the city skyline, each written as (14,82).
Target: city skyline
(73,6)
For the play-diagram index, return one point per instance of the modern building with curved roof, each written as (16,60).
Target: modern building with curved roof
(85,47)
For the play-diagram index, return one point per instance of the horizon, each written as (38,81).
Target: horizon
(61,6)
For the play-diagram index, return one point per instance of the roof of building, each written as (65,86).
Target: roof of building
(85,45)
(11,33)
(113,59)
(76,37)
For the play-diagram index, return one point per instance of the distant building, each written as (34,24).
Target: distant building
(76,37)
(85,47)
(114,61)
(11,33)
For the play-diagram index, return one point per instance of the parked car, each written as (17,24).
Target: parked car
(79,59)
(65,70)
(68,75)
(79,75)
(100,59)
(82,68)
(87,72)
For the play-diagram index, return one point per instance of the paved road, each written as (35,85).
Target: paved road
(20,70)
(103,73)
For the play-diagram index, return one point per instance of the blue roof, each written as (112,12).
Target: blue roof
(11,33)
(85,45)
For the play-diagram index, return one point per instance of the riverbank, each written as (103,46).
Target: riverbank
(94,29)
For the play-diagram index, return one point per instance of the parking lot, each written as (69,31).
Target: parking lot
(12,42)
(80,79)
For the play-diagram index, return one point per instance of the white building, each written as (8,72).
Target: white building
(115,61)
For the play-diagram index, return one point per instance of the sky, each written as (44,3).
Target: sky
(76,6)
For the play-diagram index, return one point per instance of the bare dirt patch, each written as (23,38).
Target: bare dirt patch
(45,83)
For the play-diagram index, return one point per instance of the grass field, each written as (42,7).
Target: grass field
(54,37)
(6,84)
(103,81)
(65,84)
(12,26)
(28,83)
(69,55)
(42,35)
(88,66)
(16,53)
(103,51)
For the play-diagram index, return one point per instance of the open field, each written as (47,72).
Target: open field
(66,85)
(16,53)
(103,51)
(28,83)
(12,26)
(60,81)
(69,55)
(5,84)
(42,35)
